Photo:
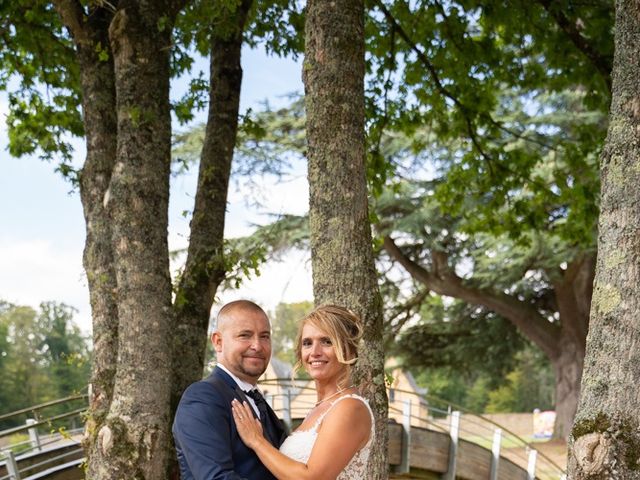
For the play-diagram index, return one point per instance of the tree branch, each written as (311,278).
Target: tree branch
(436,79)
(406,311)
(601,63)
(444,281)
(72,15)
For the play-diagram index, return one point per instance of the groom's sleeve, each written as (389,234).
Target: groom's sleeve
(202,434)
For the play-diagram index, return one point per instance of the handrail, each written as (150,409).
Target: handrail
(39,423)
(428,399)
(495,424)
(44,405)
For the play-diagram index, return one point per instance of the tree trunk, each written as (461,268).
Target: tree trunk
(567,367)
(341,251)
(100,127)
(135,437)
(90,34)
(205,266)
(605,440)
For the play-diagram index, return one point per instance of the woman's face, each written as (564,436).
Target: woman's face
(318,355)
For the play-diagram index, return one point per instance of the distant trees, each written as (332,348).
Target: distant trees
(284,325)
(43,355)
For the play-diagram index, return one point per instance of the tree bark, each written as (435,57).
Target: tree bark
(563,342)
(123,54)
(341,246)
(100,123)
(205,266)
(101,128)
(136,435)
(605,440)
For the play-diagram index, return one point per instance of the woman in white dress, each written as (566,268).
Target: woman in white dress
(334,440)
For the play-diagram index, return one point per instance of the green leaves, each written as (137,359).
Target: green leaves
(506,89)
(37,67)
(43,355)
(102,51)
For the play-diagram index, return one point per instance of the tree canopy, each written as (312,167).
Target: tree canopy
(43,355)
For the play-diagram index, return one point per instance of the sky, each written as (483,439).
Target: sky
(42,229)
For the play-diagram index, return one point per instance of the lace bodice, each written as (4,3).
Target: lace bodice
(299,444)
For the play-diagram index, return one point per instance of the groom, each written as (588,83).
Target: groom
(207,442)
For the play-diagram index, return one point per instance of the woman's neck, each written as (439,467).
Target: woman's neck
(329,391)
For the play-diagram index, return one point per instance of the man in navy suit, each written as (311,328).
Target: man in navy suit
(207,442)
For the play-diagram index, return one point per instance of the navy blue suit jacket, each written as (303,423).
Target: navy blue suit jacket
(206,438)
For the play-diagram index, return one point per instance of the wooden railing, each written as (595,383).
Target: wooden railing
(424,441)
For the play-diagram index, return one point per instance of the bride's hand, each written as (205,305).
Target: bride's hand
(249,427)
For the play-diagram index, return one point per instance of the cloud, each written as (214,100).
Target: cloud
(35,271)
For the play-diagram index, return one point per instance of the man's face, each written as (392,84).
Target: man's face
(243,344)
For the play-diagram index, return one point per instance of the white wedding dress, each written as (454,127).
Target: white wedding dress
(299,444)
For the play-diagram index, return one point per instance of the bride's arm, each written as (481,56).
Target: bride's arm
(343,432)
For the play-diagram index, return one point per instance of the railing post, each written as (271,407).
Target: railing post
(34,438)
(405,456)
(286,408)
(454,434)
(12,465)
(531,467)
(495,454)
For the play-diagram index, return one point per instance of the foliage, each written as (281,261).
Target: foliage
(528,386)
(245,255)
(277,25)
(38,67)
(268,141)
(462,337)
(38,70)
(490,80)
(21,442)
(286,319)
(444,383)
(43,355)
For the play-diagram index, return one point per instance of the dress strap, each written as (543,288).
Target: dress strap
(350,395)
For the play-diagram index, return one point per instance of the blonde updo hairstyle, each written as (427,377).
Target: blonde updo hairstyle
(343,328)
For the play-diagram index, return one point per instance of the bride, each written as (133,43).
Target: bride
(334,440)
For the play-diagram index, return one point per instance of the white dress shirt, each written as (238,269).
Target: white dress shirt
(244,386)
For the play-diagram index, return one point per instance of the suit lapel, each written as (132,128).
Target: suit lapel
(239,394)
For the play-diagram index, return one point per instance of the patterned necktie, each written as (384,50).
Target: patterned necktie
(265,419)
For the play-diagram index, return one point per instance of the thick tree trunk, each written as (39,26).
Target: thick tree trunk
(101,127)
(205,267)
(573,292)
(341,251)
(133,441)
(100,123)
(605,440)
(123,56)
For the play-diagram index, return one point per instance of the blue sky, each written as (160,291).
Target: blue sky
(42,227)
